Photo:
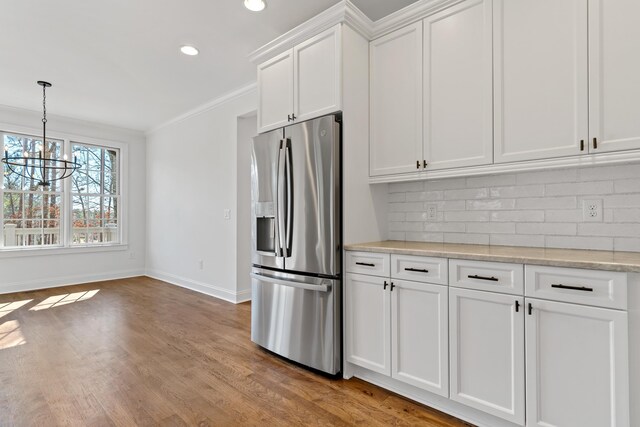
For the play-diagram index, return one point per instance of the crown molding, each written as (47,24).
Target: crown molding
(228,97)
(342,12)
(408,15)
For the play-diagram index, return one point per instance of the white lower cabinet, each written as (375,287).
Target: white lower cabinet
(577,365)
(368,318)
(551,353)
(399,329)
(419,354)
(487,352)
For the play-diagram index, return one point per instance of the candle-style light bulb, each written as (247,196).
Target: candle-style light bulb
(65,157)
(26,154)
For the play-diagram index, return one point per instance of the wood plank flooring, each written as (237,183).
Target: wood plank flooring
(142,352)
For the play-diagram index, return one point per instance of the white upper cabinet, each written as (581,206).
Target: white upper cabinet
(275,92)
(541,79)
(577,365)
(302,83)
(614,75)
(396,102)
(458,87)
(317,75)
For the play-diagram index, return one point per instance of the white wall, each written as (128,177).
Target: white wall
(191,178)
(32,270)
(541,209)
(246,131)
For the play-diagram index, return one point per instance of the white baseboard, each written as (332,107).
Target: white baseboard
(204,288)
(56,282)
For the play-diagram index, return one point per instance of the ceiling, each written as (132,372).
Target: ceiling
(118,62)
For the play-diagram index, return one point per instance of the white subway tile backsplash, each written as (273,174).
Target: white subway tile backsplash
(540,209)
(517,216)
(579,188)
(397,197)
(424,196)
(517,191)
(491,205)
(547,203)
(492,227)
(516,240)
(580,242)
(545,228)
(467,216)
(627,244)
(491,180)
(468,238)
(547,176)
(403,187)
(473,193)
(627,185)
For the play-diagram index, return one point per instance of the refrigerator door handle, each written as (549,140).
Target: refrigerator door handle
(289,186)
(280,201)
(299,285)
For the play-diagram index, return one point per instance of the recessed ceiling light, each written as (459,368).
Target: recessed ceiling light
(189,50)
(254,5)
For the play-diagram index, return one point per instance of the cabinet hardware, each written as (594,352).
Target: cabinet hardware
(475,276)
(573,288)
(595,143)
(366,264)
(418,270)
(582,145)
(293,117)
(417,164)
(530,309)
(288,117)
(392,286)
(517,306)
(384,288)
(424,164)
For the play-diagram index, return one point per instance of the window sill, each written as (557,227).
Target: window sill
(72,250)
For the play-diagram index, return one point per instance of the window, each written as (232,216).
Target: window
(95,195)
(83,210)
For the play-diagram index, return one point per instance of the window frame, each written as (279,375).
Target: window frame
(66,232)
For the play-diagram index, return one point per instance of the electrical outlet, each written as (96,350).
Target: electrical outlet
(432,212)
(132,255)
(227,214)
(592,210)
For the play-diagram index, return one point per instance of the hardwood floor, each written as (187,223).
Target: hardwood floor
(142,352)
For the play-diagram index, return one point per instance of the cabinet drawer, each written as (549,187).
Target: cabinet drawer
(487,276)
(371,263)
(589,287)
(419,269)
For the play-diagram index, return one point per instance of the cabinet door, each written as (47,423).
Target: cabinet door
(458,86)
(419,331)
(487,352)
(577,366)
(396,102)
(275,92)
(317,75)
(368,313)
(614,75)
(540,72)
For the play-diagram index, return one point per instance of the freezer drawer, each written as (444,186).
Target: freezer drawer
(298,317)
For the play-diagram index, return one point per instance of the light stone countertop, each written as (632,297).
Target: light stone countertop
(574,258)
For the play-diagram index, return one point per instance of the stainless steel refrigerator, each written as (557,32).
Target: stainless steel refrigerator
(296,218)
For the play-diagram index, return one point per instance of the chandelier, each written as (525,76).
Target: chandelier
(44,167)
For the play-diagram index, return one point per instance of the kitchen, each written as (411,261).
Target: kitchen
(453,134)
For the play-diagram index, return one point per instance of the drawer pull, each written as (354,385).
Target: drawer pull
(366,264)
(418,270)
(573,288)
(475,276)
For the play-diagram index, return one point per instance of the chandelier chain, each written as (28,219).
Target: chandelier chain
(44,105)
